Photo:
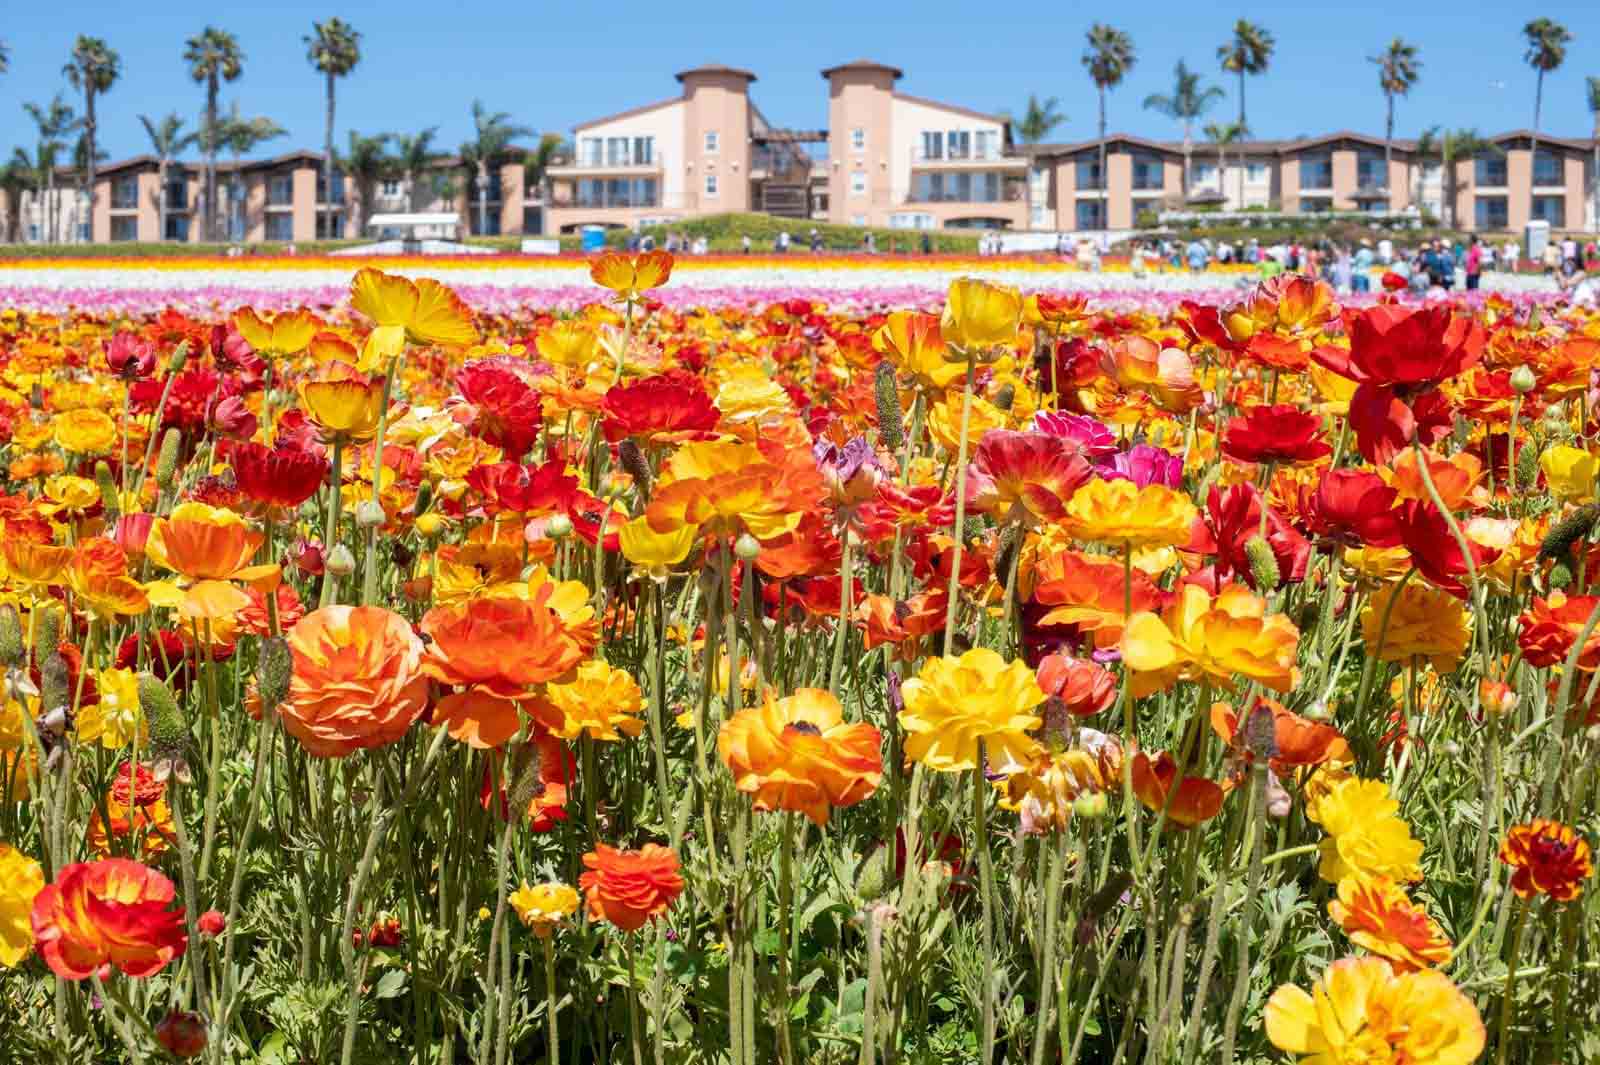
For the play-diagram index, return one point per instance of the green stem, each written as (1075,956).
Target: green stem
(1508,1006)
(980,824)
(330,534)
(957,528)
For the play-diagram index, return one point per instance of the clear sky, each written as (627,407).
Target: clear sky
(553,64)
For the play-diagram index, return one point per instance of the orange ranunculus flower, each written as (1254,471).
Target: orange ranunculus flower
(424,311)
(912,342)
(1138,364)
(1549,858)
(1424,623)
(150,823)
(280,334)
(344,403)
(357,681)
(478,718)
(1078,685)
(629,275)
(1197,799)
(111,912)
(628,888)
(1362,1011)
(1087,591)
(1376,914)
(1549,628)
(796,753)
(206,543)
(33,564)
(1456,477)
(979,314)
(1297,741)
(502,645)
(1204,638)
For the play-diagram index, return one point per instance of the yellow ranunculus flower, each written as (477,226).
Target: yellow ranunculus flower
(543,907)
(278,334)
(952,703)
(116,718)
(69,494)
(1365,833)
(1121,513)
(344,403)
(652,551)
(599,701)
(567,343)
(21,878)
(84,431)
(944,421)
(1570,472)
(979,314)
(1202,638)
(1362,1011)
(1425,623)
(428,312)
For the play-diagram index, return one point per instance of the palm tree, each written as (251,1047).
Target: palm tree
(414,157)
(1187,102)
(1450,147)
(5,57)
(54,123)
(1223,134)
(490,146)
(1249,52)
(1108,58)
(213,57)
(1594,169)
(93,69)
(1547,50)
(167,140)
(334,48)
(1038,120)
(1398,69)
(367,162)
(17,178)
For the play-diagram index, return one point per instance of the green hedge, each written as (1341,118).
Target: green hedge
(173,249)
(723,232)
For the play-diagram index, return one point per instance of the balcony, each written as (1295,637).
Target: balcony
(968,159)
(621,165)
(616,192)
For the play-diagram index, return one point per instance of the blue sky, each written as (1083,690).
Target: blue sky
(554,64)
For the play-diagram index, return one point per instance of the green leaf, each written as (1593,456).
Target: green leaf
(391,984)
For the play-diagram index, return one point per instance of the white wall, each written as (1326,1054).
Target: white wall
(907,120)
(666,125)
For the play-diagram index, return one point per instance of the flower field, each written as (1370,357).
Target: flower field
(754,661)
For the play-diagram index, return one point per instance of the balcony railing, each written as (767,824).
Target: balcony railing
(1010,194)
(612,165)
(590,199)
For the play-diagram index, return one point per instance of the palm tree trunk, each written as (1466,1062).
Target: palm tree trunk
(50,206)
(483,194)
(1388,151)
(208,227)
(1241,100)
(1188,151)
(88,135)
(1594,173)
(1533,154)
(1105,182)
(327,163)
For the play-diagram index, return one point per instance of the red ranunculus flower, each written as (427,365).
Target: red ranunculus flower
(512,488)
(1548,628)
(1279,433)
(279,477)
(1231,519)
(1353,507)
(1024,476)
(507,410)
(1434,550)
(674,403)
(111,912)
(130,357)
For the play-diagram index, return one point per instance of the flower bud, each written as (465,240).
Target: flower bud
(891,422)
(1560,575)
(169,732)
(559,527)
(1528,465)
(108,491)
(180,356)
(424,497)
(747,547)
(182,1033)
(167,461)
(47,619)
(11,649)
(273,671)
(1091,805)
(340,563)
(369,514)
(1523,380)
(1263,563)
(430,524)
(211,923)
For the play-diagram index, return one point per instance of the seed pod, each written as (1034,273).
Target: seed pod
(108,491)
(1006,396)
(528,784)
(169,732)
(1528,466)
(340,563)
(55,684)
(46,630)
(633,462)
(424,498)
(274,671)
(1568,531)
(1461,431)
(1261,734)
(11,650)
(891,423)
(1560,576)
(369,514)
(167,462)
(1263,563)
(873,875)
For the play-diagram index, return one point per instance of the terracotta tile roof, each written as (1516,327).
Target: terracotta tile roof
(864,65)
(716,68)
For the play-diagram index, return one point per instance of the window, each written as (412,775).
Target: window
(1547,168)
(177,194)
(1552,209)
(280,227)
(391,190)
(1369,171)
(1089,174)
(711,184)
(177,227)
(911,220)
(1489,170)
(1090,215)
(617,192)
(126,228)
(589,151)
(1255,172)
(1205,173)
(713,142)
(644,151)
(83,232)
(988,144)
(33,231)
(858,139)
(280,191)
(858,219)
(932,144)
(858,184)
(1316,171)
(125,193)
(331,226)
(1489,212)
(958,144)
(338,187)
(1148,172)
